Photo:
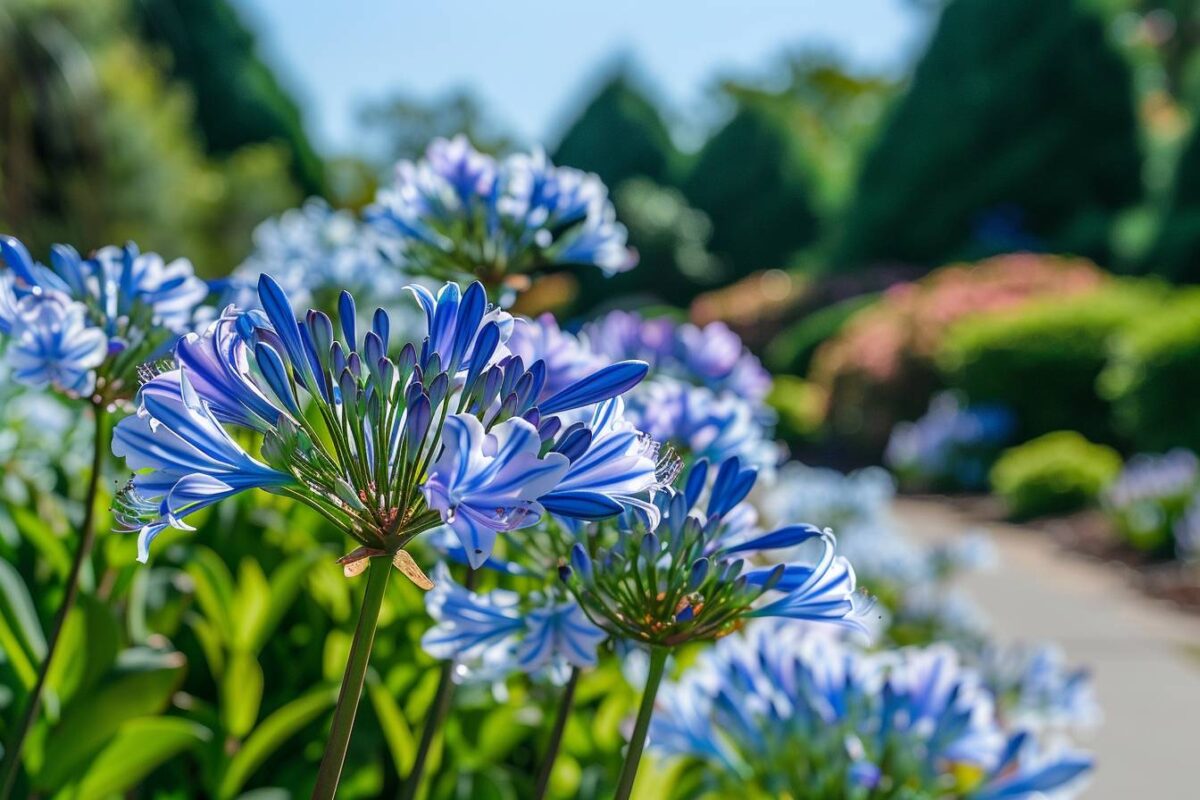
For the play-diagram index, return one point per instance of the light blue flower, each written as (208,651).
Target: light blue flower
(52,345)
(951,445)
(708,576)
(384,442)
(183,460)
(458,212)
(85,327)
(496,633)
(568,359)
(487,482)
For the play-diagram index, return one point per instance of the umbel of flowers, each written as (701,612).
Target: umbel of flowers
(779,712)
(698,568)
(461,214)
(82,328)
(385,440)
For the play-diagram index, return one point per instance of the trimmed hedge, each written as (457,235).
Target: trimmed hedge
(1042,361)
(1153,378)
(1053,474)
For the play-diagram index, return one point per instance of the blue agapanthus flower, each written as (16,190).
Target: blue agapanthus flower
(952,445)
(460,213)
(701,424)
(83,326)
(784,710)
(384,441)
(710,355)
(698,570)
(494,634)
(315,252)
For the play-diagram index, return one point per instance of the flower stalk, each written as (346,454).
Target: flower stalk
(439,711)
(637,742)
(565,706)
(330,771)
(87,535)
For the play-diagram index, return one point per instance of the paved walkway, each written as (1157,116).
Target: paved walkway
(1147,681)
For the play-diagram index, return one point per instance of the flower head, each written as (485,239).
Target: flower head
(84,326)
(784,709)
(385,442)
(689,574)
(461,213)
(499,632)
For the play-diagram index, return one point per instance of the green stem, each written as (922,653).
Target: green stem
(439,710)
(87,535)
(633,756)
(565,705)
(330,772)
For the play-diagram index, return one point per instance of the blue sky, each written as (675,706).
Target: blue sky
(533,61)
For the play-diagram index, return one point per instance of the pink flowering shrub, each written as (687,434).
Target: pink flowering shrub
(880,368)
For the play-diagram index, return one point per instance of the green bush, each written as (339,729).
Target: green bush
(792,350)
(1153,377)
(1018,128)
(1053,474)
(1042,361)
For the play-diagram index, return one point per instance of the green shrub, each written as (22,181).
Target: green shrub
(1153,377)
(1053,474)
(792,350)
(800,406)
(1042,361)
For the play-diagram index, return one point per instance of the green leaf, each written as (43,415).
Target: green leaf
(396,732)
(41,535)
(286,583)
(139,747)
(214,590)
(270,735)
(241,694)
(16,606)
(141,686)
(251,605)
(335,654)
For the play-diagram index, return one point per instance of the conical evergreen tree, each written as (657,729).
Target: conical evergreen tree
(620,135)
(238,99)
(1018,131)
(750,178)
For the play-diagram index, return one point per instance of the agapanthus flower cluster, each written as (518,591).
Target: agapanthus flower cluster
(494,634)
(785,712)
(696,571)
(384,441)
(703,412)
(315,252)
(541,628)
(1036,688)
(83,327)
(711,355)
(952,446)
(462,214)
(1150,499)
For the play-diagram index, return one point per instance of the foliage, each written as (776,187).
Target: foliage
(880,368)
(238,99)
(1042,360)
(793,349)
(1154,373)
(1176,250)
(407,124)
(1151,499)
(671,240)
(751,179)
(620,134)
(1053,474)
(95,144)
(1018,130)
(800,406)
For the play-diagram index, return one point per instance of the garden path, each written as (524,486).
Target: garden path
(1144,654)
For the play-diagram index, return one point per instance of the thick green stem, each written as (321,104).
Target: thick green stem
(633,756)
(438,711)
(87,535)
(565,705)
(330,772)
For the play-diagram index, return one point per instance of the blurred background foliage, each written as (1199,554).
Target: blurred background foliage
(1017,220)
